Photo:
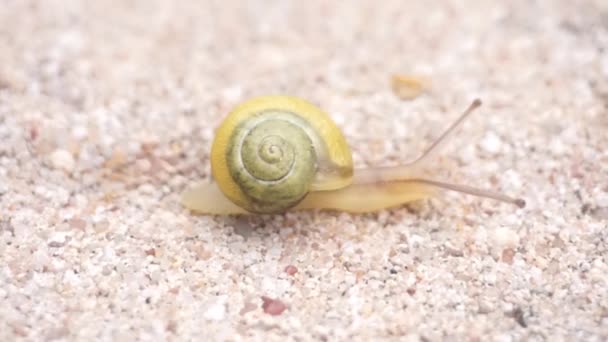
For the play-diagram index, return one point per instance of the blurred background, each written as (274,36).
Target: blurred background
(108,109)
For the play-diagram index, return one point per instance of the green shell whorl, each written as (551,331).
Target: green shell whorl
(272,158)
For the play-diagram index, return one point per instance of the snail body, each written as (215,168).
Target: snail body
(277,153)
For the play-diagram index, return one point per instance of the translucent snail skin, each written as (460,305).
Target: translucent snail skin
(280,153)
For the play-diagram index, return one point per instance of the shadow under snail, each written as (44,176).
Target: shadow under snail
(278,153)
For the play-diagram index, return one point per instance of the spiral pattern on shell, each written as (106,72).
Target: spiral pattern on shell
(271,156)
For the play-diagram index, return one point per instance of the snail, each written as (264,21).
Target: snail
(278,153)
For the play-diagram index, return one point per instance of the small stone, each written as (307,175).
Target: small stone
(453,250)
(247,308)
(491,143)
(172,326)
(243,227)
(118,158)
(507,255)
(350,229)
(147,189)
(408,87)
(78,223)
(143,165)
(58,241)
(232,94)
(602,200)
(63,160)
(518,316)
(485,306)
(273,307)
(557,147)
(291,270)
(101,226)
(216,311)
(40,260)
(489,278)
(600,213)
(57,333)
(106,270)
(558,242)
(80,132)
(505,237)
(286,232)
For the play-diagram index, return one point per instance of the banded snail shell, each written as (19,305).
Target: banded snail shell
(271,151)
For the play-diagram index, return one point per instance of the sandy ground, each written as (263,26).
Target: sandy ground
(108,108)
